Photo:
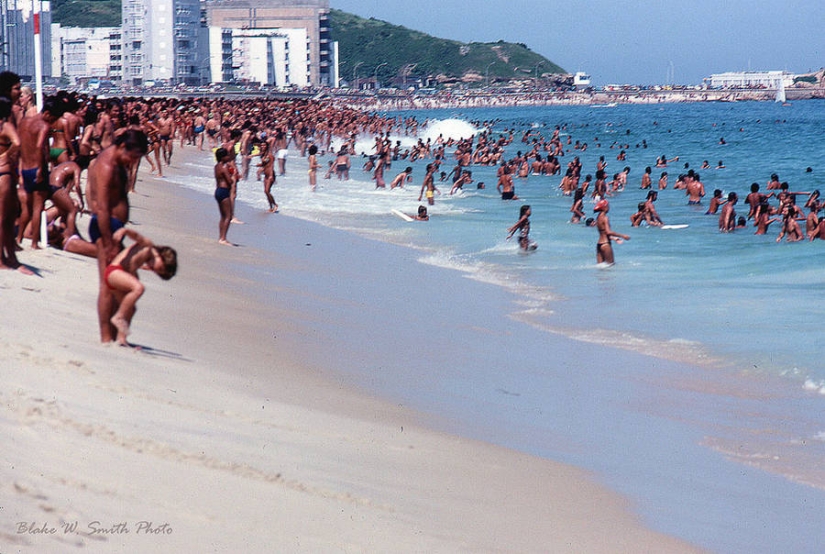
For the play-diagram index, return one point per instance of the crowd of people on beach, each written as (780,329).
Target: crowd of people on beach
(79,154)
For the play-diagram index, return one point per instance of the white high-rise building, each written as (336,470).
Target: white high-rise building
(264,17)
(160,41)
(80,53)
(278,57)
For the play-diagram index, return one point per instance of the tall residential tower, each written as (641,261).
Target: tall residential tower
(269,22)
(160,42)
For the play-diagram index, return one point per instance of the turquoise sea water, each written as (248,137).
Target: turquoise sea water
(739,308)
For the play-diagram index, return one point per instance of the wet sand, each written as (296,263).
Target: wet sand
(224,434)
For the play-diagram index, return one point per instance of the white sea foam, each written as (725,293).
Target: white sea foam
(817,386)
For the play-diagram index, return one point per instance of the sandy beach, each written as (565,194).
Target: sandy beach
(219,437)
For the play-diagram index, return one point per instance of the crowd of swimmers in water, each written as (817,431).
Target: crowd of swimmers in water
(80,154)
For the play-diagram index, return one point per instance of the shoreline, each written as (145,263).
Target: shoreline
(219,411)
(470,98)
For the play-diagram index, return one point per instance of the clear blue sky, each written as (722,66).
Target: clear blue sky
(634,41)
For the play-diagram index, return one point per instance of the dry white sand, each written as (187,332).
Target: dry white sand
(216,439)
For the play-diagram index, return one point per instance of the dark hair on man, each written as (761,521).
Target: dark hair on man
(5,108)
(133,140)
(91,115)
(53,106)
(7,80)
(220,153)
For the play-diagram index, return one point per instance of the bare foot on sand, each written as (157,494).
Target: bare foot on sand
(122,327)
(226,242)
(237,221)
(18,267)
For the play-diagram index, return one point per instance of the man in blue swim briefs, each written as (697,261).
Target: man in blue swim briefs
(108,182)
(225,179)
(34,163)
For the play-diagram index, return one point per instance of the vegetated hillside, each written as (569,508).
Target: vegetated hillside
(405,51)
(368,43)
(86,13)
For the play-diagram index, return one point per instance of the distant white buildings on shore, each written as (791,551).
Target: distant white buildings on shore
(750,79)
(281,43)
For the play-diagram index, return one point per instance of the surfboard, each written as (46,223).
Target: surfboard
(680,226)
(255,150)
(402,215)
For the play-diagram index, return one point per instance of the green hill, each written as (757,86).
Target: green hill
(86,13)
(371,42)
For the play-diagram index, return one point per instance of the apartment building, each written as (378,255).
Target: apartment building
(160,42)
(82,53)
(278,26)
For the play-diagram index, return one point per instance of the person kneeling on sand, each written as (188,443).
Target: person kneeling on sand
(122,279)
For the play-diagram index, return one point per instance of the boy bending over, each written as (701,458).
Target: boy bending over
(122,279)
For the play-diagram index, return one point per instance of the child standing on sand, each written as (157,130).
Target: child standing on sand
(121,276)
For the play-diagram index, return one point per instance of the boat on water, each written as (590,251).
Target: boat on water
(780,94)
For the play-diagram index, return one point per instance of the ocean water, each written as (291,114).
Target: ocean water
(692,294)
(740,309)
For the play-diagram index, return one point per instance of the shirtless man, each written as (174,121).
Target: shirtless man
(34,166)
(212,130)
(763,219)
(166,131)
(646,178)
(64,179)
(695,189)
(225,180)
(246,149)
(663,181)
(401,178)
(812,222)
(604,246)
(378,174)
(465,178)
(198,129)
(790,227)
(727,219)
(651,215)
(281,151)
(429,186)
(108,182)
(754,199)
(342,164)
(505,184)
